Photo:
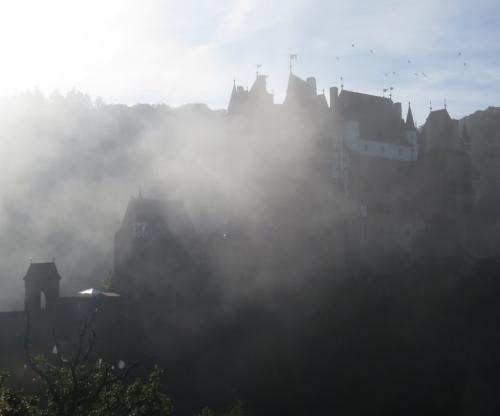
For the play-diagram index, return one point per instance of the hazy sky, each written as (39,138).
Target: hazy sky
(176,52)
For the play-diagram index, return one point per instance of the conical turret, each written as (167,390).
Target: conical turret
(410,124)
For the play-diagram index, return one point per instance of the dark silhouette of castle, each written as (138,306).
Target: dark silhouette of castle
(403,189)
(386,187)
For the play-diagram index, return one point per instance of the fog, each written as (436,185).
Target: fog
(272,269)
(71,164)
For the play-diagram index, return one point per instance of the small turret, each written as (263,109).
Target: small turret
(41,286)
(232,99)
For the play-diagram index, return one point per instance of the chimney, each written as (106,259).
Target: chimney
(334,95)
(311,85)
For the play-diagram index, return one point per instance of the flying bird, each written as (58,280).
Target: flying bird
(337,58)
(424,74)
(459,53)
(416,74)
(352,45)
(409,61)
(394,73)
(465,63)
(371,50)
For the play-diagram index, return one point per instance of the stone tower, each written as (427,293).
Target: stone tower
(41,286)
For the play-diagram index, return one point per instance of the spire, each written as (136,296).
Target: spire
(409,118)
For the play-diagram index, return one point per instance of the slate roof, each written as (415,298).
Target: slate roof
(379,118)
(157,213)
(42,271)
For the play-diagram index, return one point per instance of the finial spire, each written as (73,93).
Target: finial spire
(445,105)
(430,105)
(293,57)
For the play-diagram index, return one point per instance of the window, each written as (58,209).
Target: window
(43,301)
(383,149)
(400,152)
(140,230)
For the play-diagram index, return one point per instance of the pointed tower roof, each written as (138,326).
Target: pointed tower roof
(42,271)
(410,124)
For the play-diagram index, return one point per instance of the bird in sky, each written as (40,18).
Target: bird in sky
(459,53)
(352,45)
(409,61)
(424,74)
(371,50)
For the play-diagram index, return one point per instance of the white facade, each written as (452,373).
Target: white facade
(380,149)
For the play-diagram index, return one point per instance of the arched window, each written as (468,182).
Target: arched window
(43,301)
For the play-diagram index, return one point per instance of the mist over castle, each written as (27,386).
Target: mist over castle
(352,169)
(181,227)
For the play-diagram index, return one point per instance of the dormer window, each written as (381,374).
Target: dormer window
(140,230)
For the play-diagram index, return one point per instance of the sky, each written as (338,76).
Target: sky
(173,52)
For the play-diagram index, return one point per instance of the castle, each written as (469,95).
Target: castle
(399,187)
(356,180)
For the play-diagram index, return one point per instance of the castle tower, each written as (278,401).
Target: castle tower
(41,286)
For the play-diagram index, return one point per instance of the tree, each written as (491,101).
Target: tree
(16,403)
(79,387)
